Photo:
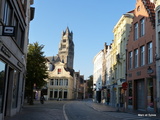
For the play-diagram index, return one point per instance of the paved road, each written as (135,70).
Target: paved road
(73,110)
(78,110)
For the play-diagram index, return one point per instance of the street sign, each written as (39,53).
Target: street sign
(124,85)
(8,31)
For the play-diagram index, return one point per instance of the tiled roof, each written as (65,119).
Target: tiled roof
(150,8)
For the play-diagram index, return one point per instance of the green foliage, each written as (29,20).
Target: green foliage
(90,84)
(36,67)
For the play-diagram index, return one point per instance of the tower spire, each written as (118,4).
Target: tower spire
(66,48)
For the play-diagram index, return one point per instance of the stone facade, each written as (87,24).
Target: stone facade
(61,82)
(118,53)
(66,48)
(15,16)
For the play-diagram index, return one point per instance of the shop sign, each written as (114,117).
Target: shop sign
(8,31)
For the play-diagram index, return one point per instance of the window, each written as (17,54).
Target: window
(130,60)
(65,82)
(59,71)
(63,46)
(138,8)
(150,53)
(55,93)
(136,58)
(62,59)
(159,17)
(51,93)
(136,31)
(7,14)
(142,55)
(2,85)
(64,40)
(60,93)
(142,27)
(56,82)
(61,82)
(15,89)
(51,82)
(19,35)
(65,93)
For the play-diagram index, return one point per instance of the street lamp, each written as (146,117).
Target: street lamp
(150,71)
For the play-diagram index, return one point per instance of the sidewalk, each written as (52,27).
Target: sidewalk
(50,110)
(106,108)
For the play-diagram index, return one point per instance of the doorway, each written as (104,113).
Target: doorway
(140,94)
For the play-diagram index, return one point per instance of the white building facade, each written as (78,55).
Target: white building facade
(97,75)
(61,83)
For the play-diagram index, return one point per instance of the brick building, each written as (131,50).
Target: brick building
(141,67)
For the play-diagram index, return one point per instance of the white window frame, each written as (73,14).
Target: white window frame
(142,55)
(136,58)
(150,53)
(136,31)
(142,27)
(130,59)
(7,13)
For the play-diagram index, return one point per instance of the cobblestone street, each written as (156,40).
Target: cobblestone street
(56,110)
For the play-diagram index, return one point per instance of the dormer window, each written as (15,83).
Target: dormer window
(138,8)
(59,71)
(64,40)
(63,46)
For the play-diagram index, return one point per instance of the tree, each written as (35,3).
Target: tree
(90,85)
(36,69)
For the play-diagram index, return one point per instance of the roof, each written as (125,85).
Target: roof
(150,9)
(53,59)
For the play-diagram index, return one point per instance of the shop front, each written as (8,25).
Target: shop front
(141,94)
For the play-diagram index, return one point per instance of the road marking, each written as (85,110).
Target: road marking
(65,116)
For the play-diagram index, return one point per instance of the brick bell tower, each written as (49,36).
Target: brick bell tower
(66,48)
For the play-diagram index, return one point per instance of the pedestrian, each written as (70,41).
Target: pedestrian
(108,98)
(42,99)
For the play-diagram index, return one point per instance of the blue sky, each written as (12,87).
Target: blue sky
(91,21)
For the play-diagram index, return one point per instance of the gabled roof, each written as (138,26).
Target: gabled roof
(53,59)
(150,9)
(49,59)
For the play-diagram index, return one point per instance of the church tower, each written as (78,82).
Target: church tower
(66,48)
